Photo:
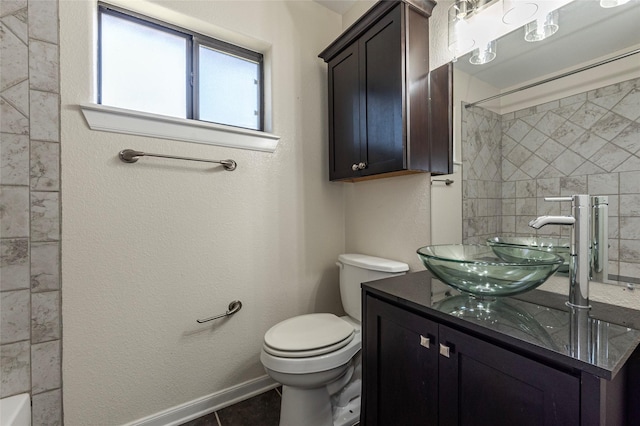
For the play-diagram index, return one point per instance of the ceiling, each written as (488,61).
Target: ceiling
(338,6)
(587,31)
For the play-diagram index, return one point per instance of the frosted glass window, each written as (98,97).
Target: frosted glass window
(151,66)
(143,68)
(228,89)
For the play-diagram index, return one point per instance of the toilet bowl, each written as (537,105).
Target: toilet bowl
(316,357)
(310,382)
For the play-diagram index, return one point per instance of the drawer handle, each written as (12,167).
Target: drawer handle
(445,350)
(425,341)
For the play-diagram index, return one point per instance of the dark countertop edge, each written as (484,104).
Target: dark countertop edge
(413,291)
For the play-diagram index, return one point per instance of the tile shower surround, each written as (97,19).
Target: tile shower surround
(586,143)
(30,296)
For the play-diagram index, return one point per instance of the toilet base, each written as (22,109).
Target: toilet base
(310,407)
(348,415)
(316,407)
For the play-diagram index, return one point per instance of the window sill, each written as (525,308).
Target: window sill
(120,120)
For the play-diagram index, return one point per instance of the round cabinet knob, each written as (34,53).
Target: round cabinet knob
(362,166)
(354,167)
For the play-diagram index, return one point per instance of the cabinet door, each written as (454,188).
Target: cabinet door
(400,374)
(382,113)
(344,114)
(481,384)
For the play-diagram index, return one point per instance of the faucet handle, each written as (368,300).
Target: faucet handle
(577,200)
(558,198)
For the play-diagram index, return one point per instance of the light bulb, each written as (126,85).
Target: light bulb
(542,28)
(612,3)
(517,12)
(460,40)
(484,54)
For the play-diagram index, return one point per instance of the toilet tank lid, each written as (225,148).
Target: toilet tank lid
(373,263)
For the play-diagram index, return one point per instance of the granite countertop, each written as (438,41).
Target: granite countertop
(535,323)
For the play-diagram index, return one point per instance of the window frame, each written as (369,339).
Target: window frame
(194,41)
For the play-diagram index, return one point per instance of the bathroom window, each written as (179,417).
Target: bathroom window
(150,66)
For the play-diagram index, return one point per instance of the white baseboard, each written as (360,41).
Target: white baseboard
(207,404)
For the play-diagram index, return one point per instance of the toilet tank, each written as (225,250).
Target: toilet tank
(358,268)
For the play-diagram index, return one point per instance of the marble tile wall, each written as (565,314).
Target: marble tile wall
(30,291)
(586,143)
(481,174)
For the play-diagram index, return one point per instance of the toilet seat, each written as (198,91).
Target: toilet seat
(312,364)
(309,353)
(308,335)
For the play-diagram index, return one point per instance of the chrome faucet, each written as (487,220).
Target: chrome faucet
(600,238)
(579,268)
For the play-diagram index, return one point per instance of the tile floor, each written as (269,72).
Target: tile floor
(261,410)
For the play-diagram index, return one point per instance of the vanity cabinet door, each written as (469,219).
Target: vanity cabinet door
(400,371)
(482,384)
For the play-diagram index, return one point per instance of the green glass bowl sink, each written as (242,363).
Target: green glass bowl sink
(559,246)
(489,271)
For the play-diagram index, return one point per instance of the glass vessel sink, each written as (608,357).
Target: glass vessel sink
(487,271)
(559,246)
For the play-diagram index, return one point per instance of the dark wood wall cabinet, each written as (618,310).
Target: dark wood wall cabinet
(381,120)
(425,367)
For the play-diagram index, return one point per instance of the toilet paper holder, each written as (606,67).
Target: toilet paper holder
(234,307)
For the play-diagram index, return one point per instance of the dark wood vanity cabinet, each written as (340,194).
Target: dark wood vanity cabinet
(379,109)
(420,371)
(400,378)
(483,384)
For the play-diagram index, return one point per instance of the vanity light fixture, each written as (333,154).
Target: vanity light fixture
(542,28)
(460,39)
(484,54)
(612,3)
(517,12)
(472,24)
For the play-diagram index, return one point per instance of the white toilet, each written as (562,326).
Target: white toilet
(316,357)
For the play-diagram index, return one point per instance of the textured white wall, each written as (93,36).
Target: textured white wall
(356,11)
(439,53)
(152,246)
(389,217)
